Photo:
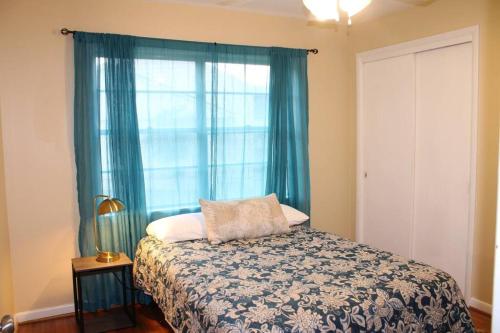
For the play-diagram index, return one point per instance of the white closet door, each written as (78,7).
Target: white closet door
(388,152)
(444,95)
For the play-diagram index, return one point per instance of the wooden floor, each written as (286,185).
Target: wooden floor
(150,319)
(481,320)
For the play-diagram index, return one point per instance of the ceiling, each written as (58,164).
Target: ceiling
(294,8)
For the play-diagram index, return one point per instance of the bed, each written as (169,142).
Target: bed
(302,281)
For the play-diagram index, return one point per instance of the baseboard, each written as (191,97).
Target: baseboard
(24,316)
(480,305)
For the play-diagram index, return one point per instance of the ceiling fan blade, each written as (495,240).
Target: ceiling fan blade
(417,2)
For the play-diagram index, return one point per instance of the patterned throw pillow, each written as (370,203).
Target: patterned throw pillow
(251,218)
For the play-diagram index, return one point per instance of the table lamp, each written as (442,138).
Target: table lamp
(107,206)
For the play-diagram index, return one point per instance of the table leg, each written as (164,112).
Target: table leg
(132,294)
(75,298)
(80,303)
(124,290)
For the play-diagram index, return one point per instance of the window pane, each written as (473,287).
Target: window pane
(175,130)
(142,104)
(106,184)
(171,188)
(237,78)
(103,116)
(164,75)
(240,181)
(167,149)
(172,110)
(258,110)
(241,101)
(142,69)
(257,79)
(166,107)
(241,146)
(104,152)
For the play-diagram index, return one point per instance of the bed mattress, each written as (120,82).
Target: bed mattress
(303,281)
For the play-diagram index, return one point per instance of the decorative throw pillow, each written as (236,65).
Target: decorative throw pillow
(251,218)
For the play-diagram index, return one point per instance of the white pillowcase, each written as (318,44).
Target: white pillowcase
(178,228)
(293,215)
(192,226)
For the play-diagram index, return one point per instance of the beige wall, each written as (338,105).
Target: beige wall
(6,296)
(443,16)
(36,91)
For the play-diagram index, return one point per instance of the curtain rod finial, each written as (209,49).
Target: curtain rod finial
(66,31)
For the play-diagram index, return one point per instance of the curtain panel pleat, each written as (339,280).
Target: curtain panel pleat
(161,123)
(288,156)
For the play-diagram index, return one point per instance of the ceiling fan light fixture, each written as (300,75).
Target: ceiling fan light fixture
(323,10)
(352,7)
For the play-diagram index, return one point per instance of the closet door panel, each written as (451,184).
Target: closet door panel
(443,155)
(388,152)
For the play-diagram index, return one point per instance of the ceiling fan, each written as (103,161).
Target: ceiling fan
(329,10)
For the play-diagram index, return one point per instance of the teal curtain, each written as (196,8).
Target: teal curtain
(162,123)
(288,157)
(108,153)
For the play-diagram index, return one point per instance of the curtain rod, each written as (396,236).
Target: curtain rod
(66,31)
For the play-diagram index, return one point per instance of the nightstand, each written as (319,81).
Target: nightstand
(86,266)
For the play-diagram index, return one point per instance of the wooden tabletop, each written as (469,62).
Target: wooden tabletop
(84,264)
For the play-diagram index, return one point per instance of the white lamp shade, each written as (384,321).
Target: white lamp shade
(352,7)
(323,9)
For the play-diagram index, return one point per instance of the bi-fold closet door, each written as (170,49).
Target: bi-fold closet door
(416,155)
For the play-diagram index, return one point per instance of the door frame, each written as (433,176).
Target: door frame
(466,35)
(495,315)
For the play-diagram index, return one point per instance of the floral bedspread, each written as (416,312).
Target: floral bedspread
(303,281)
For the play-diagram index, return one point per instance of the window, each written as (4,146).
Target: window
(181,107)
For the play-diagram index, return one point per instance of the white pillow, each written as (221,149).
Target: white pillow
(178,228)
(192,226)
(293,216)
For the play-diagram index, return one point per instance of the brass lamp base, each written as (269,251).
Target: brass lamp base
(107,256)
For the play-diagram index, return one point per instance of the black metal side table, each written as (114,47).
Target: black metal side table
(86,266)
